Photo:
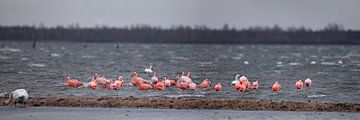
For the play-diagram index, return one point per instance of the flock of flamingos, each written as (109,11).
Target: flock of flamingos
(183,82)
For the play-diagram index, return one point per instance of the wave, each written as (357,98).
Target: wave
(294,63)
(55,55)
(328,63)
(87,56)
(316,96)
(36,65)
(4,57)
(10,49)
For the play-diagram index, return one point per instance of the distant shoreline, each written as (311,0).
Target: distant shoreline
(181,43)
(192,103)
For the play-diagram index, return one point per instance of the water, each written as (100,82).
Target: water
(42,70)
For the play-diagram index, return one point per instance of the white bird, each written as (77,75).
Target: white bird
(19,96)
(236,81)
(149,70)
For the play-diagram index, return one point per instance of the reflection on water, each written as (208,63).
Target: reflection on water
(42,70)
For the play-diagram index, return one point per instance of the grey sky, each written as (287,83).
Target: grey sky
(213,13)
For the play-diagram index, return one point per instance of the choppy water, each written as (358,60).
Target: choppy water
(334,69)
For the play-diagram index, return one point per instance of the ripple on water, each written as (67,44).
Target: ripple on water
(4,57)
(294,63)
(316,96)
(24,59)
(328,63)
(36,65)
(181,58)
(55,55)
(7,49)
(87,56)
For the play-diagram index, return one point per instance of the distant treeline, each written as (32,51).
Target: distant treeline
(331,34)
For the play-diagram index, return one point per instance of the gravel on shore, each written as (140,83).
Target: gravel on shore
(191,103)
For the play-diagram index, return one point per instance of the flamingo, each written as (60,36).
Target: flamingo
(184,78)
(154,79)
(308,82)
(236,80)
(160,86)
(101,81)
(144,86)
(111,85)
(167,82)
(255,84)
(136,79)
(183,86)
(93,82)
(276,87)
(218,87)
(241,87)
(19,96)
(73,82)
(192,86)
(205,84)
(299,84)
(149,70)
(120,81)
(93,85)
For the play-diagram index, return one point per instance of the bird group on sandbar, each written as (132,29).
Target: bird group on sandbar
(183,82)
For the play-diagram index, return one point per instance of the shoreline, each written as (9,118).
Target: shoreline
(191,103)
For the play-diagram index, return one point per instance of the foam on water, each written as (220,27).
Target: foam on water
(328,63)
(87,56)
(7,49)
(294,63)
(4,57)
(316,96)
(36,65)
(55,55)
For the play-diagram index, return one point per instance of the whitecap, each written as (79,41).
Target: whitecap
(181,58)
(316,96)
(279,63)
(246,62)
(355,61)
(87,56)
(4,57)
(10,49)
(24,59)
(356,70)
(313,62)
(236,58)
(55,55)
(328,63)
(294,63)
(36,65)
(205,63)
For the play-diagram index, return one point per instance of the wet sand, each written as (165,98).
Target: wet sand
(77,113)
(192,103)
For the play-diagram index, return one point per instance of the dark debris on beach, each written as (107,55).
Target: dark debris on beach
(191,103)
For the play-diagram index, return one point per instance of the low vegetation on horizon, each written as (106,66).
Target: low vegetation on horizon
(330,34)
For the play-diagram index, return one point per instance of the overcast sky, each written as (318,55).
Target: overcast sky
(213,13)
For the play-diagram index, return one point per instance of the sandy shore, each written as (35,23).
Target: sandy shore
(191,103)
(77,113)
